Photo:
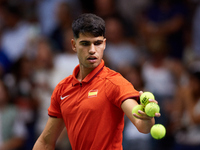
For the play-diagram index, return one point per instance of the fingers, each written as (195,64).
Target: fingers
(144,116)
(153,100)
(140,92)
(157,114)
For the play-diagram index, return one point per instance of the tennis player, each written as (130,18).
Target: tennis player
(91,102)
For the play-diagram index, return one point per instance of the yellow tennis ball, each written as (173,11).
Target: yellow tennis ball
(158,131)
(151,109)
(144,98)
(136,108)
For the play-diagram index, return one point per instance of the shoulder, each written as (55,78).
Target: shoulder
(63,83)
(114,77)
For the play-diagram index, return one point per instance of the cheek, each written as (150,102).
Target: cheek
(81,54)
(100,50)
(101,55)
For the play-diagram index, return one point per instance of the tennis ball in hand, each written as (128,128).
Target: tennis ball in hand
(158,131)
(136,108)
(144,98)
(151,109)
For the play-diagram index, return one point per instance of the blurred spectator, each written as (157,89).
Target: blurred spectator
(5,63)
(64,21)
(15,34)
(102,8)
(196,32)
(46,12)
(165,18)
(43,78)
(87,6)
(64,63)
(156,71)
(107,9)
(41,75)
(13,132)
(131,11)
(119,51)
(185,112)
(23,96)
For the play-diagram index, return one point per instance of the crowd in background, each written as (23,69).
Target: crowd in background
(155,44)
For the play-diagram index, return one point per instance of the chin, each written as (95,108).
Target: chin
(94,65)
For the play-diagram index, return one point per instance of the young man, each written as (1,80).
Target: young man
(92,101)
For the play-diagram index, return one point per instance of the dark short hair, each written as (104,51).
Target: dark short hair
(88,23)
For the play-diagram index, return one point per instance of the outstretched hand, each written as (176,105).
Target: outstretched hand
(143,115)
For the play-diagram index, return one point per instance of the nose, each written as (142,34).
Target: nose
(92,49)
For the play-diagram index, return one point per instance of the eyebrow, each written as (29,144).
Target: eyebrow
(84,41)
(90,41)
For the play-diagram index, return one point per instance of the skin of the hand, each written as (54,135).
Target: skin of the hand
(143,114)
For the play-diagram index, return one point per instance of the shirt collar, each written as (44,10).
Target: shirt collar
(90,76)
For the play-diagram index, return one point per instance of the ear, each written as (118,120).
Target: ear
(73,42)
(104,41)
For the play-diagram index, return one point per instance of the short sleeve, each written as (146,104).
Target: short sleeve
(54,108)
(119,89)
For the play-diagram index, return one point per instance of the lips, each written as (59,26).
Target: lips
(91,58)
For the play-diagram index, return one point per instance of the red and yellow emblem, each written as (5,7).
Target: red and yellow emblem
(92,93)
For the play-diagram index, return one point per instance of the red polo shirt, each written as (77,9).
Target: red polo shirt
(91,109)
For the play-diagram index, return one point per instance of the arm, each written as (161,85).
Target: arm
(144,122)
(50,134)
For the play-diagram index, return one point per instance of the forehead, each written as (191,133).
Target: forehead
(88,37)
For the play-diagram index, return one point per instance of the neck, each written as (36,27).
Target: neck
(83,73)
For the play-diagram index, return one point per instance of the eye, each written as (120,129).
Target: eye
(98,42)
(85,43)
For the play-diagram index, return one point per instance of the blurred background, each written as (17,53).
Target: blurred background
(155,44)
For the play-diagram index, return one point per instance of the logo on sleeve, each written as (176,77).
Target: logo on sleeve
(92,93)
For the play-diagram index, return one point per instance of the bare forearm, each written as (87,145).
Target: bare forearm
(144,122)
(144,126)
(47,140)
(41,144)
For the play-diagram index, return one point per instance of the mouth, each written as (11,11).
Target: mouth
(92,59)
